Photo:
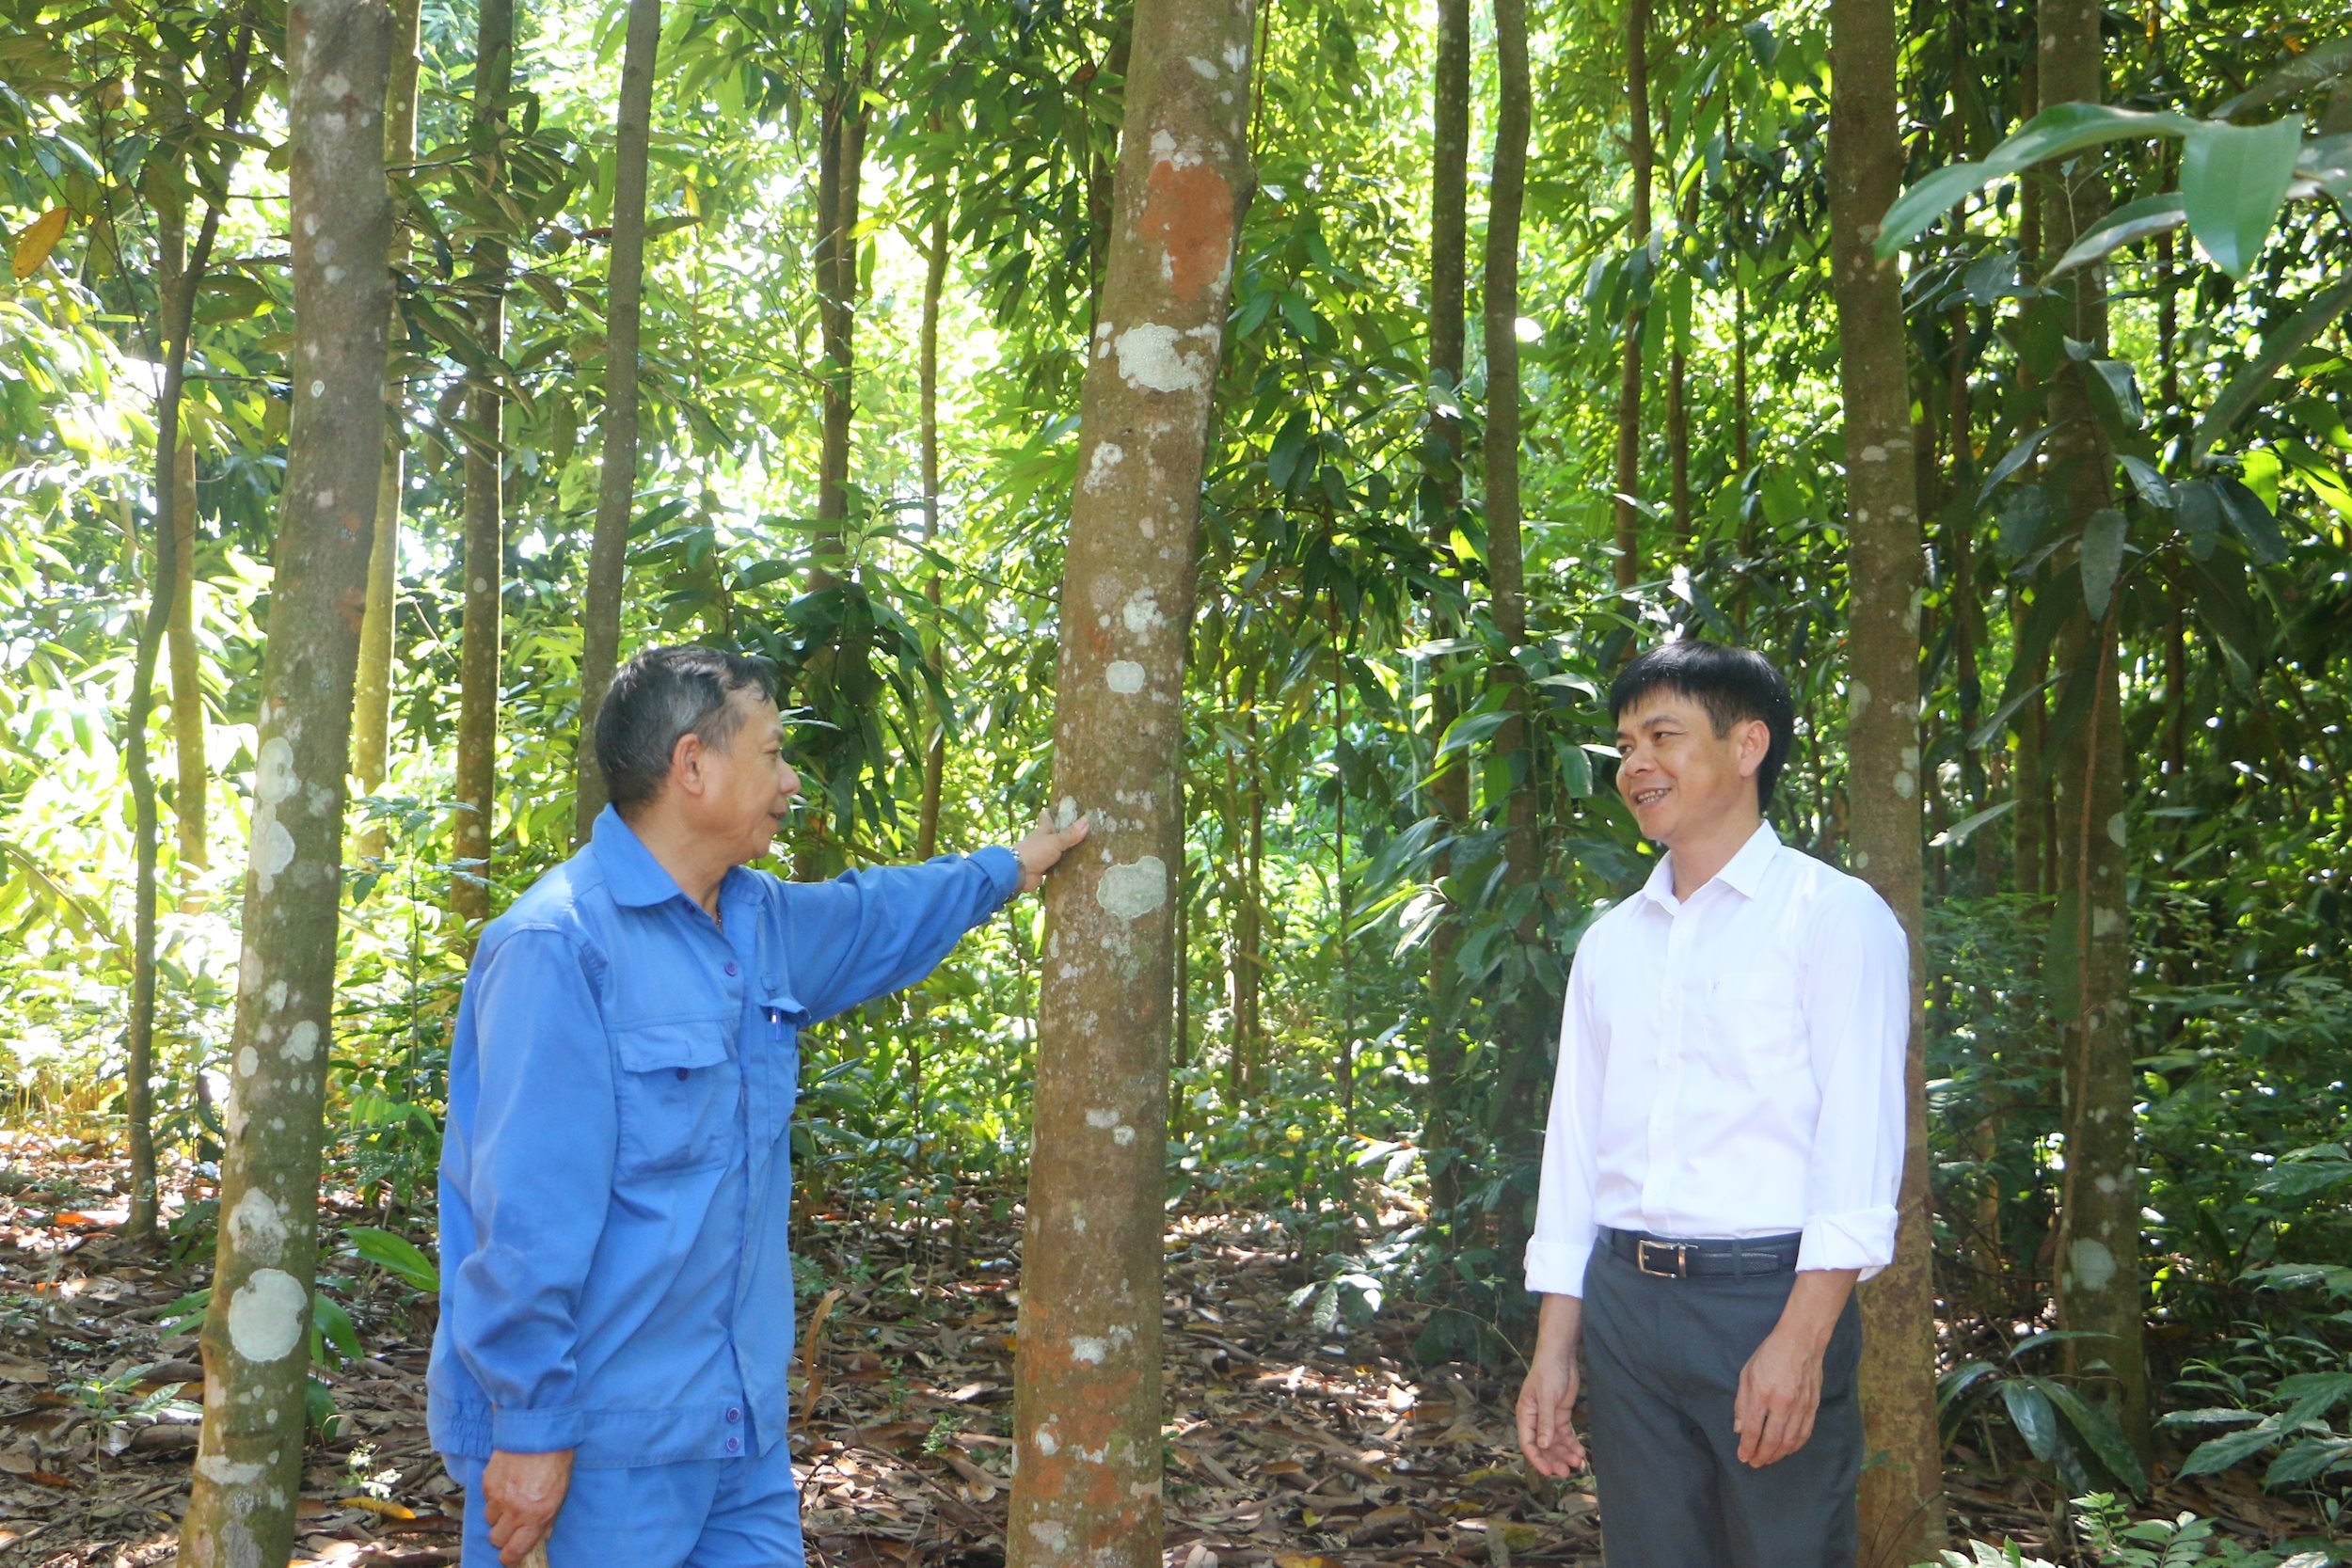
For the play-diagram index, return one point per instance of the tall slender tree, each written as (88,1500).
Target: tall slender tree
(1642,153)
(248,1464)
(616,480)
(1449,781)
(1087,1402)
(372,712)
(1902,1492)
(480,661)
(2099,1293)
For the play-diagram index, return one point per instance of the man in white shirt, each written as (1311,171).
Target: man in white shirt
(1720,1163)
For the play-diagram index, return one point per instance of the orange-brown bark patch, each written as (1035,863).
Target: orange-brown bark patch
(1189,210)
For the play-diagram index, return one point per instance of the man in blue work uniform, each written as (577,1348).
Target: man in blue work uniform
(616,1297)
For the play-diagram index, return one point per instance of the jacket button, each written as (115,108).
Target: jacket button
(735,1445)
(731,967)
(681,1075)
(733,1414)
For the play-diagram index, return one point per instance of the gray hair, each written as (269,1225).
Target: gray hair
(660,695)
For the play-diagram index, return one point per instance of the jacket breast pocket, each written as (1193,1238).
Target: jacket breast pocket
(679,1096)
(1757,1028)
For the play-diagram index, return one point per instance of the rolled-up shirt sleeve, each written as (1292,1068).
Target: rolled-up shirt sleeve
(543,1147)
(1857,992)
(867,933)
(1562,1244)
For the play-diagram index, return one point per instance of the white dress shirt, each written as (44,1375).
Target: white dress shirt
(1731,1065)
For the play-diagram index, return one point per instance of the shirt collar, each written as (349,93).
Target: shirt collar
(631,875)
(1744,872)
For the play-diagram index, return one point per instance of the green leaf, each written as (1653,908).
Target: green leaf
(2102,559)
(2252,520)
(2030,1411)
(2307,1459)
(1924,202)
(2253,378)
(1957,834)
(2012,460)
(2052,134)
(2198,505)
(2219,1453)
(2314,66)
(2116,391)
(395,1255)
(2147,482)
(2100,1435)
(2233,179)
(2128,224)
(334,1324)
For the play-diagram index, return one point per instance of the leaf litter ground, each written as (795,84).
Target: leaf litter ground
(1287,1446)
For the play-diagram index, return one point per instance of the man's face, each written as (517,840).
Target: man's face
(1678,774)
(748,786)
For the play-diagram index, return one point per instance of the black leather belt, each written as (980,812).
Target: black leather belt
(1670,1257)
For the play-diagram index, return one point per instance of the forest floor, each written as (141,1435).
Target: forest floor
(1288,1445)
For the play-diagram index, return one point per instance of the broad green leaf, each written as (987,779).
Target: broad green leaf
(2101,558)
(2115,391)
(2311,1457)
(2219,1453)
(2253,378)
(2320,63)
(2100,1435)
(2147,481)
(2128,224)
(2030,1411)
(395,1255)
(1957,834)
(2253,522)
(2013,460)
(2052,134)
(2233,179)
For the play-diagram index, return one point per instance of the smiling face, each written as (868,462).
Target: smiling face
(745,786)
(1678,776)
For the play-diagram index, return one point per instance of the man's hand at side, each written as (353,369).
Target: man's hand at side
(1043,847)
(1548,1397)
(520,1493)
(1780,1388)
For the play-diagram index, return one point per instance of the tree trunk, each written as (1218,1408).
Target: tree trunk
(1343,899)
(1087,1405)
(1449,782)
(840,166)
(934,286)
(372,711)
(188,803)
(478,663)
(175,317)
(1629,382)
(1677,388)
(1903,1489)
(616,483)
(2099,1289)
(248,1466)
(1516,1113)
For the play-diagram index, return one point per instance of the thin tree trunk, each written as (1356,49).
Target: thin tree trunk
(1629,518)
(1903,1489)
(2098,1263)
(1341,896)
(187,687)
(1515,1115)
(934,287)
(616,481)
(1739,458)
(175,316)
(372,710)
(1087,1405)
(841,162)
(479,661)
(1449,782)
(1678,394)
(248,1465)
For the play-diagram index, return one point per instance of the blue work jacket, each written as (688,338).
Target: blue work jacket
(615,1177)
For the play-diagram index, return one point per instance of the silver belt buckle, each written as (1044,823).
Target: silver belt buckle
(1678,1254)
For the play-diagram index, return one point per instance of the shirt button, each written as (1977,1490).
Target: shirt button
(733,1414)
(730,967)
(735,1445)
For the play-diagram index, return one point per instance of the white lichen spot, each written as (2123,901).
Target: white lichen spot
(1906,785)
(1132,891)
(1152,358)
(221,1471)
(1102,463)
(1142,611)
(2119,830)
(318,389)
(1124,676)
(1047,1444)
(274,771)
(2091,1263)
(248,1062)
(1087,1351)
(1236,58)
(1874,455)
(1205,70)
(302,1041)
(336,85)
(2108,922)
(1065,812)
(334,274)
(1052,1534)
(1862,859)
(1100,1118)
(1123,1135)
(1857,698)
(2108,1186)
(257,1227)
(276,996)
(265,1315)
(272,850)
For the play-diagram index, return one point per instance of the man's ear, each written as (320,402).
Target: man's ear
(686,763)
(1755,738)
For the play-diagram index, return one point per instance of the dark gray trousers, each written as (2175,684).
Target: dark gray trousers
(1663,1360)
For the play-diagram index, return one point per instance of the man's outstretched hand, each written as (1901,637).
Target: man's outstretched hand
(1043,847)
(520,1495)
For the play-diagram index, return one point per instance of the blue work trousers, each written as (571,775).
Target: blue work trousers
(738,1513)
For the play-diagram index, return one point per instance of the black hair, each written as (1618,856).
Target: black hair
(1732,683)
(660,695)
